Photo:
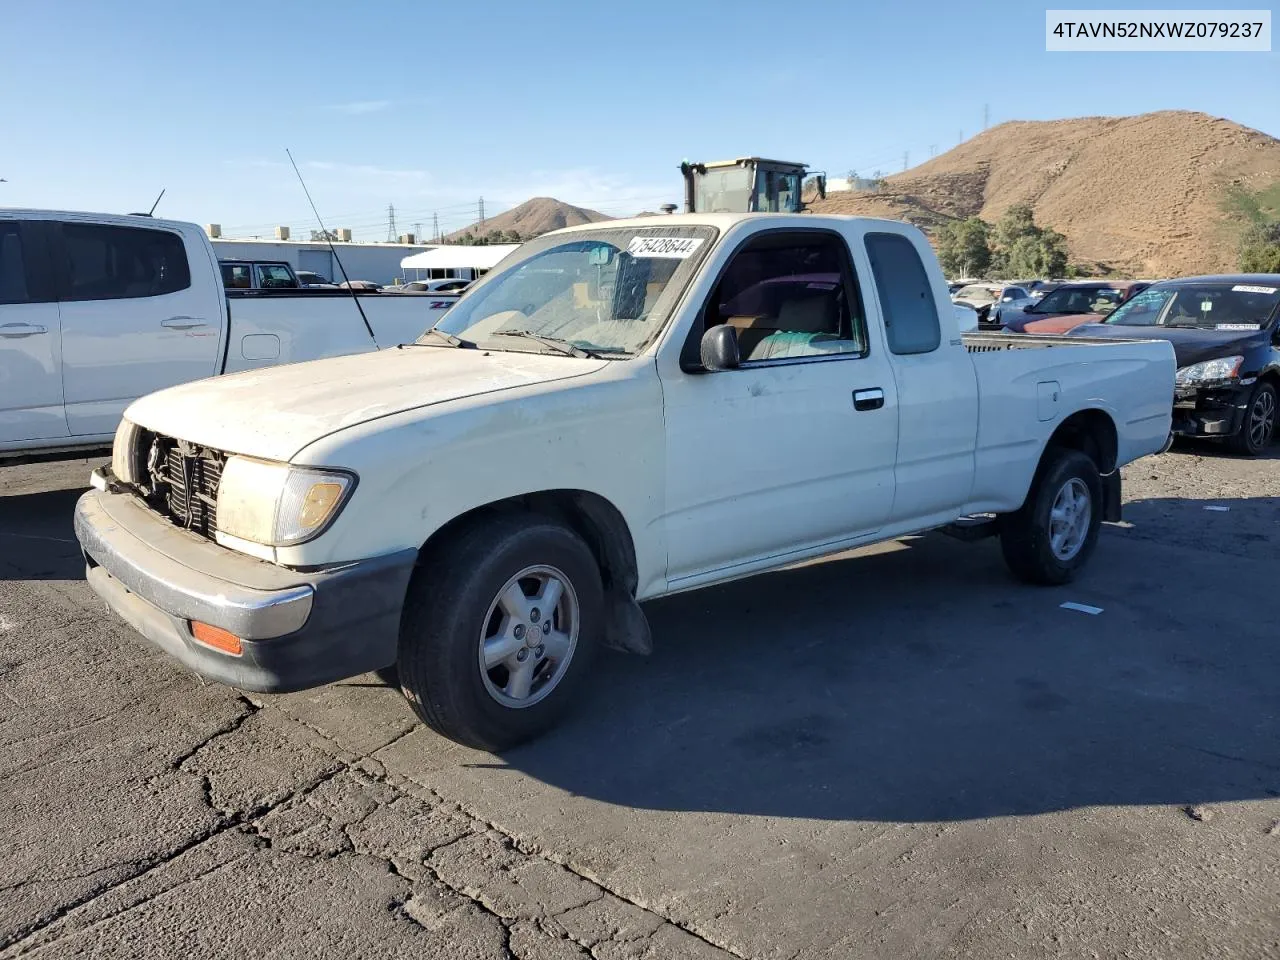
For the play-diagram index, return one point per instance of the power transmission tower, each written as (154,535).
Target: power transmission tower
(482,211)
(959,137)
(391,222)
(933,149)
(435,226)
(417,232)
(986,115)
(905,155)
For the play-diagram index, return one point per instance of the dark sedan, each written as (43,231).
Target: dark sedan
(1224,331)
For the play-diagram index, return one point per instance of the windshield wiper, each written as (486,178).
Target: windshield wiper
(451,339)
(567,347)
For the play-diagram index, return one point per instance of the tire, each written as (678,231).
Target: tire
(1027,537)
(1259,425)
(462,596)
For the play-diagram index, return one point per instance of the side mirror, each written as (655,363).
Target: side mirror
(1027,308)
(719,348)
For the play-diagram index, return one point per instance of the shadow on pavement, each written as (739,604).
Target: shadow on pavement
(37,538)
(923,684)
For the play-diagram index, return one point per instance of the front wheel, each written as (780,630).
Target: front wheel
(1259,424)
(1051,536)
(499,630)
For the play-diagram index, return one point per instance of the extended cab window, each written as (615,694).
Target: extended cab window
(114,263)
(13,266)
(788,295)
(906,295)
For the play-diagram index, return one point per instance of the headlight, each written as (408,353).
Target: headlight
(276,504)
(124,452)
(1208,371)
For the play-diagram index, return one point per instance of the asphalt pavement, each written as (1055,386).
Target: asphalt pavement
(896,753)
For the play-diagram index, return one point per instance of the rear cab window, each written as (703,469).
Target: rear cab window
(905,293)
(118,263)
(276,276)
(237,276)
(14,284)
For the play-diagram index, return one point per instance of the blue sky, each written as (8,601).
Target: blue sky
(430,105)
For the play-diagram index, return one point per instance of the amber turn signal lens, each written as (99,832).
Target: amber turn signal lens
(216,637)
(318,504)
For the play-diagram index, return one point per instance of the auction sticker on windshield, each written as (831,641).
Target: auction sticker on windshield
(674,248)
(1238,326)
(1249,288)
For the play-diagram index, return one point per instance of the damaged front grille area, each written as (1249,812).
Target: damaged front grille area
(183,482)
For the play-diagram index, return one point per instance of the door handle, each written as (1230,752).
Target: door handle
(182,323)
(872,398)
(15,330)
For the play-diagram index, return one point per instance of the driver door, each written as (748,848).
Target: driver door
(795,448)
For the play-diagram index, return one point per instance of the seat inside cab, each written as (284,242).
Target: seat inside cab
(785,296)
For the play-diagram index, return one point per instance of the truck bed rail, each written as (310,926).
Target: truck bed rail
(991,342)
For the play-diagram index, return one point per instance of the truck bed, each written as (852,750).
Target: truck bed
(1023,394)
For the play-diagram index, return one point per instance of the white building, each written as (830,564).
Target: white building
(454,260)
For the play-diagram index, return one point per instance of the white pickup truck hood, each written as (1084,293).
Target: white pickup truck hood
(273,413)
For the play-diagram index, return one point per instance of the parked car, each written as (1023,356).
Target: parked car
(1037,288)
(258,275)
(99,309)
(314,280)
(444,285)
(591,426)
(1072,304)
(1225,332)
(983,296)
(366,285)
(1009,304)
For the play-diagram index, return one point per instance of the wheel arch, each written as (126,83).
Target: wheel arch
(593,517)
(1090,431)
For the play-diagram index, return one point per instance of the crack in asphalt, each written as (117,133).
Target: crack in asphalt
(227,820)
(533,850)
(227,728)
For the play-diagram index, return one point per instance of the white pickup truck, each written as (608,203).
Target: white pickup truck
(97,310)
(621,411)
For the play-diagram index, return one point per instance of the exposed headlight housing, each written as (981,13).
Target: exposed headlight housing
(124,453)
(276,504)
(1209,371)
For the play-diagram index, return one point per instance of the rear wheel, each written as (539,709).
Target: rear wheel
(499,630)
(1052,535)
(1259,425)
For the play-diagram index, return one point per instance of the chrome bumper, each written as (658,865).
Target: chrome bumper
(298,628)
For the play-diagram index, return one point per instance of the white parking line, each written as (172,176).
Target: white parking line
(1081,608)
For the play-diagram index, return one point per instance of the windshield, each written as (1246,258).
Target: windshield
(1208,306)
(1079,300)
(975,292)
(608,291)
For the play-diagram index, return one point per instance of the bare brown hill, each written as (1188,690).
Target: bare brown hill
(1144,195)
(534,217)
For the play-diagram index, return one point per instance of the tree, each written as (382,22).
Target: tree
(1260,248)
(322,235)
(1024,249)
(963,248)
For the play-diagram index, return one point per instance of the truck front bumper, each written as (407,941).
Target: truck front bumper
(297,628)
